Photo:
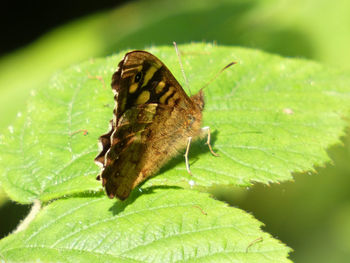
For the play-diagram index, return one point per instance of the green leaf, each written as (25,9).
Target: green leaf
(157,225)
(269,117)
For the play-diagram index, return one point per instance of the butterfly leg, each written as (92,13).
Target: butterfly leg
(186,155)
(208,141)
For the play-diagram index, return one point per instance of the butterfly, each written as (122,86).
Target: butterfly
(153,119)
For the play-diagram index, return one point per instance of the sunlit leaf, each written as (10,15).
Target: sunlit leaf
(269,117)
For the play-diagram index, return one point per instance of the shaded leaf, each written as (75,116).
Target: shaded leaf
(161,224)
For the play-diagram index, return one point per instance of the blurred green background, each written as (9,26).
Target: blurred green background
(312,214)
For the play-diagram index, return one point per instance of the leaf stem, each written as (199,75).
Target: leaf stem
(33,212)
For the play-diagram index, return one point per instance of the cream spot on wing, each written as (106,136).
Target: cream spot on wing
(122,104)
(160,87)
(171,101)
(149,74)
(133,87)
(143,97)
(131,71)
(166,95)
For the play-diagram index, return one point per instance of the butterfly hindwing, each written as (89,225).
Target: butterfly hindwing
(127,147)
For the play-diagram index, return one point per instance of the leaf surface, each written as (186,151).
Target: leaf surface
(269,116)
(157,225)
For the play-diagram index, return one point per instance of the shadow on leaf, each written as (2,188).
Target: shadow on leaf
(119,206)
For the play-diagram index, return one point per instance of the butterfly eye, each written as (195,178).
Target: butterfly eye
(138,77)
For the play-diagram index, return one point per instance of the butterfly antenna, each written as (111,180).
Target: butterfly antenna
(218,74)
(182,68)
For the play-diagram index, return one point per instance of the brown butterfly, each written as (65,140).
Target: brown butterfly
(153,120)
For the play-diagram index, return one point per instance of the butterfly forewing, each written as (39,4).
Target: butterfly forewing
(142,78)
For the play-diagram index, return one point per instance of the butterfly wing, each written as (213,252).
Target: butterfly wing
(142,78)
(152,120)
(122,160)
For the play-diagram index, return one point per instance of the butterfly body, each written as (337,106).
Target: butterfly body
(153,119)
